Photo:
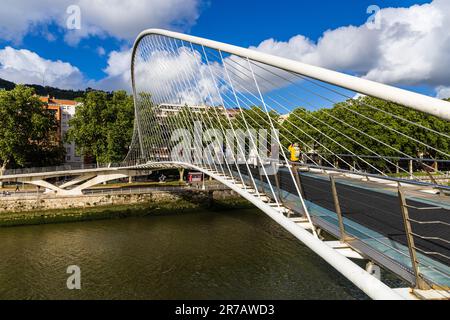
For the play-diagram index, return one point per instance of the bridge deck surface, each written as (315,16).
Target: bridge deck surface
(372,215)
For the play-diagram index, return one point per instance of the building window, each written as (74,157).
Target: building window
(68,158)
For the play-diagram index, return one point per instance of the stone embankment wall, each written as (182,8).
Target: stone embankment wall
(49,209)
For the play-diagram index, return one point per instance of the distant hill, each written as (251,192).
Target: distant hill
(7,85)
(44,91)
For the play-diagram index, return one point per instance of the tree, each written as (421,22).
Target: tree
(120,128)
(27,130)
(364,126)
(256,118)
(103,126)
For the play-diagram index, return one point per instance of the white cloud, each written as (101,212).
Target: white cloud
(443,92)
(18,17)
(411,47)
(26,67)
(118,72)
(176,77)
(101,51)
(117,18)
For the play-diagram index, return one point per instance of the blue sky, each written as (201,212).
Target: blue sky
(101,43)
(247,23)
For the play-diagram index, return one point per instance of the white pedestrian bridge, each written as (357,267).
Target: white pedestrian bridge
(211,107)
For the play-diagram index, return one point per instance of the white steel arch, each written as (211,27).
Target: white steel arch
(432,106)
(362,279)
(246,83)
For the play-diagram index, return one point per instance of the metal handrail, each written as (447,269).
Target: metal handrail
(372,175)
(379,157)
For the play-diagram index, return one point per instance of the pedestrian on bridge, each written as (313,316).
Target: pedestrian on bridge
(294,149)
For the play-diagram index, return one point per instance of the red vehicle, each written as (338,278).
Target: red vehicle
(195,177)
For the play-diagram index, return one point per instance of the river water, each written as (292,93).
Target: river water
(200,255)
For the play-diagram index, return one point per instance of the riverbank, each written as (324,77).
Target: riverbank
(48,209)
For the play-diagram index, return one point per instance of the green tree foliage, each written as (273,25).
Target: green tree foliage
(27,130)
(360,125)
(257,118)
(210,118)
(184,119)
(102,127)
(215,118)
(298,128)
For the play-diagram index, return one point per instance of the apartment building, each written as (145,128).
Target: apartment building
(64,110)
(164,110)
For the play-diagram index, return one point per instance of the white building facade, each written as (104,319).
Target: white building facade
(64,111)
(67,113)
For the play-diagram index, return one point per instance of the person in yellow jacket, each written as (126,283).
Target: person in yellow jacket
(294,149)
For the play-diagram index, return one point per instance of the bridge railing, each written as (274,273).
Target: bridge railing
(401,179)
(434,170)
(372,218)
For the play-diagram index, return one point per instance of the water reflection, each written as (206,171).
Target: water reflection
(201,255)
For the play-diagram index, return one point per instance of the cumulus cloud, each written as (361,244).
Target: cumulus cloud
(18,17)
(411,47)
(179,76)
(117,71)
(26,67)
(176,77)
(117,18)
(443,92)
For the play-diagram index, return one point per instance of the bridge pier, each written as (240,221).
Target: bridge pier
(81,181)
(39,182)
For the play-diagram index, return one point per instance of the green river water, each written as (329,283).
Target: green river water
(238,254)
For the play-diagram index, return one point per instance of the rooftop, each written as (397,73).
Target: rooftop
(50,101)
